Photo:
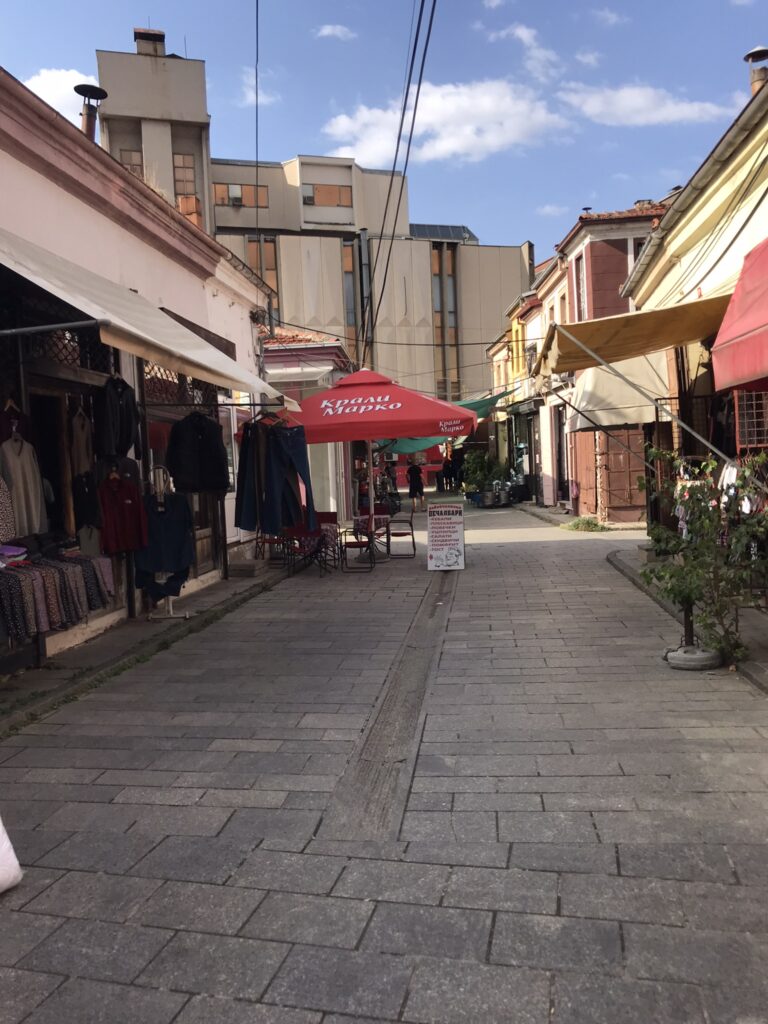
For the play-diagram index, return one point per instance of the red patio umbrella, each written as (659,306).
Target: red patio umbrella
(366,406)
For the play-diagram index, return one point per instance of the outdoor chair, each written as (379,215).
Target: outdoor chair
(362,548)
(329,526)
(302,546)
(268,542)
(401,529)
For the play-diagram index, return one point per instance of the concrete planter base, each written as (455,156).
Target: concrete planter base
(693,659)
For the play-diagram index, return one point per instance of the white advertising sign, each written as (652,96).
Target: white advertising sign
(445,536)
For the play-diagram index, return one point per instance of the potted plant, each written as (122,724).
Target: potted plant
(473,474)
(708,563)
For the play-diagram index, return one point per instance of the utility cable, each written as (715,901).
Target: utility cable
(410,63)
(425,50)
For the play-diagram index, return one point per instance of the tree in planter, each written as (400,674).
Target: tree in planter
(480,471)
(711,561)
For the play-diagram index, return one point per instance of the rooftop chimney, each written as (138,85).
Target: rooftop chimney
(92,97)
(757,76)
(150,41)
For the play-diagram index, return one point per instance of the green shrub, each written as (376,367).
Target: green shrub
(710,568)
(586,525)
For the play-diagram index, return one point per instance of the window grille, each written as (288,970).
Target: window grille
(751,419)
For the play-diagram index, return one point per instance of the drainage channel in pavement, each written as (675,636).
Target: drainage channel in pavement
(369,800)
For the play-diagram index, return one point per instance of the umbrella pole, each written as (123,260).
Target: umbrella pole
(370,488)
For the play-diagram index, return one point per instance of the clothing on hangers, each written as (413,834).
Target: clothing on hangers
(21,472)
(124,521)
(85,498)
(13,420)
(81,448)
(116,419)
(7,516)
(125,467)
(170,534)
(196,457)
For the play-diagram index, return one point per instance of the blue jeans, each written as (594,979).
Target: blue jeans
(286,463)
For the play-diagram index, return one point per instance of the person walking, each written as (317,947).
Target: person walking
(448,474)
(415,484)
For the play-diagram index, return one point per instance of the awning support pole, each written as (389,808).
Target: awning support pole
(47,328)
(648,397)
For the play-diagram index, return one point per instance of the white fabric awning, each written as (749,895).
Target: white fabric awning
(134,324)
(305,374)
(609,402)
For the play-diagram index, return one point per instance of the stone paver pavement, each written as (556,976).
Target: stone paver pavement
(582,839)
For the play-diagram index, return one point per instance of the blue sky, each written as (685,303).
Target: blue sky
(528,113)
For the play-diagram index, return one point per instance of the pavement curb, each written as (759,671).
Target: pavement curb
(751,670)
(91,678)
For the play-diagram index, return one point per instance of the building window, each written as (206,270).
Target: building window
(444,321)
(184,174)
(580,288)
(563,313)
(240,195)
(132,161)
(348,269)
(262,257)
(326,195)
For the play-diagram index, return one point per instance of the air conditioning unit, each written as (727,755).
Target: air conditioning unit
(309,200)
(236,200)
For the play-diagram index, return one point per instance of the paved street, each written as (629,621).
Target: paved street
(239,830)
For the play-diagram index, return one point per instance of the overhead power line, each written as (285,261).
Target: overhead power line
(417,94)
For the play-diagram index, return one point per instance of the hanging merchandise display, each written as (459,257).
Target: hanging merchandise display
(126,468)
(273,468)
(21,472)
(170,545)
(13,421)
(117,420)
(7,516)
(124,521)
(89,539)
(81,449)
(196,456)
(251,474)
(85,499)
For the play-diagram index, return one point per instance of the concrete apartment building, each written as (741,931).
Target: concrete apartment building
(310,227)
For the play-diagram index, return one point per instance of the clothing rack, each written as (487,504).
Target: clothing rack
(160,484)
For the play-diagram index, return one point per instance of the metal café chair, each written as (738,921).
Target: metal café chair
(329,526)
(401,529)
(268,542)
(302,545)
(362,545)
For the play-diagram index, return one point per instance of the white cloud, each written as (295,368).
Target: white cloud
(492,4)
(637,105)
(463,121)
(551,210)
(607,17)
(335,32)
(742,3)
(248,94)
(539,61)
(621,176)
(589,58)
(56,87)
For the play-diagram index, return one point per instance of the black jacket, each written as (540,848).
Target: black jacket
(117,420)
(196,457)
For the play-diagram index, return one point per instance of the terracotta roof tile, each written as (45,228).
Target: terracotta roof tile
(651,210)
